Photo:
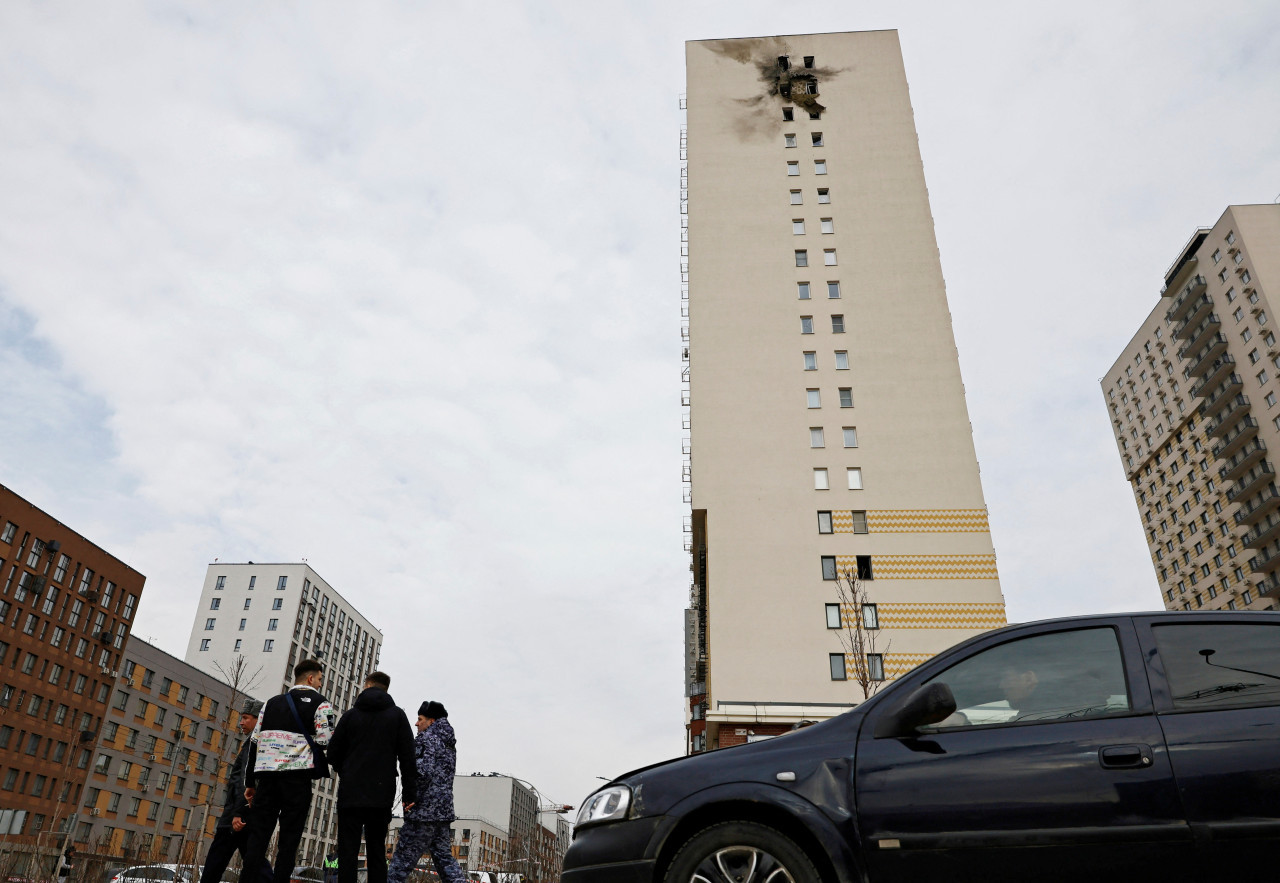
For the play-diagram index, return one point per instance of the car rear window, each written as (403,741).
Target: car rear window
(1220,665)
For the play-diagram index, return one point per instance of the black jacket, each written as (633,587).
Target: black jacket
(281,749)
(367,744)
(233,802)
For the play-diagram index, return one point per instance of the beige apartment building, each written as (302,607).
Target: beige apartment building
(1194,408)
(828,426)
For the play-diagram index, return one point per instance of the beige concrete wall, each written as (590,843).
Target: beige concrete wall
(752,462)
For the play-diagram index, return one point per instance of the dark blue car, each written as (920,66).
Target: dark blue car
(1123,747)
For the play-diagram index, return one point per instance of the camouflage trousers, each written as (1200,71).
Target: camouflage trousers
(425,838)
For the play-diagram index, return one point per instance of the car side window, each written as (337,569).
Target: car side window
(1220,665)
(1053,677)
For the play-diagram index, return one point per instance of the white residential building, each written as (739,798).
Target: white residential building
(265,618)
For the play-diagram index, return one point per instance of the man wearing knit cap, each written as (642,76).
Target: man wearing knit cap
(426,824)
(232,833)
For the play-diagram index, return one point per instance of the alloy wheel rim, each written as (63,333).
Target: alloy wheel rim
(741,864)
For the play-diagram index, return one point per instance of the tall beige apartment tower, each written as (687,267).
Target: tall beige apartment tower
(1194,408)
(828,425)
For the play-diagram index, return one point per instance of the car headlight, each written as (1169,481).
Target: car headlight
(609,804)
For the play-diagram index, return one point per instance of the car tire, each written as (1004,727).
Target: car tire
(741,852)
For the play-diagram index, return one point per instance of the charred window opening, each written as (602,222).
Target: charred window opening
(808,62)
(784,62)
(789,114)
(864,567)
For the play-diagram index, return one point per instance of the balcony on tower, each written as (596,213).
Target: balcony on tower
(1202,360)
(1234,440)
(1241,460)
(1269,587)
(1259,507)
(1263,532)
(1236,406)
(1216,372)
(1251,481)
(1267,559)
(1185,298)
(1197,335)
(1220,396)
(1199,317)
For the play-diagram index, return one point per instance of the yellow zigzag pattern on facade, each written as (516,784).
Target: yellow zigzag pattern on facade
(941,616)
(895,664)
(924,566)
(925,521)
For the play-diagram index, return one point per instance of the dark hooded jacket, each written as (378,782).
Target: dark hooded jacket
(233,802)
(367,744)
(436,751)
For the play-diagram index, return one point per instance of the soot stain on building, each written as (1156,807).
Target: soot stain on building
(784,80)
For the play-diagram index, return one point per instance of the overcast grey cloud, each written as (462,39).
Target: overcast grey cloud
(394,288)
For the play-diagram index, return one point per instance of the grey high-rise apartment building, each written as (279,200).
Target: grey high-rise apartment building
(829,432)
(1194,402)
(255,621)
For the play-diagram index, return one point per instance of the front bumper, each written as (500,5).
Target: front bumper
(613,852)
(619,872)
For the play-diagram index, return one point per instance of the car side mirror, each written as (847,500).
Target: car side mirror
(925,705)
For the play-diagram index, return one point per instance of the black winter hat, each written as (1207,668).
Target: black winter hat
(432,710)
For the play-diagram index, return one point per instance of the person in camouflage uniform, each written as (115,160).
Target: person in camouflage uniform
(427,823)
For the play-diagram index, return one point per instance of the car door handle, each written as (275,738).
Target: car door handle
(1125,757)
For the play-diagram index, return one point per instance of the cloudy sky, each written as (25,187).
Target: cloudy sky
(394,288)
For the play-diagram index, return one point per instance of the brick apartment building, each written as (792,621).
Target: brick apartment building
(66,609)
(153,791)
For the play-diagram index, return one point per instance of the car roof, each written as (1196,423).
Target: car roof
(1163,614)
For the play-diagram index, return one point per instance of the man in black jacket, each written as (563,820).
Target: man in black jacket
(232,833)
(369,742)
(287,753)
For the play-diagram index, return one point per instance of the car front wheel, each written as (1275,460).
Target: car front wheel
(741,852)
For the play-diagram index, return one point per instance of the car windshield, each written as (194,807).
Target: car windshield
(150,873)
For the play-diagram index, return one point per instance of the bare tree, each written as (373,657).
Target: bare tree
(860,634)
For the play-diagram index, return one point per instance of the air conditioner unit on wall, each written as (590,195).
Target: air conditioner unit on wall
(96,812)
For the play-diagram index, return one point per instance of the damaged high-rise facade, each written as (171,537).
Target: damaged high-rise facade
(828,430)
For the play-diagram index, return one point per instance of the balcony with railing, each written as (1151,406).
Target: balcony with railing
(1234,440)
(1259,507)
(1216,372)
(1251,481)
(1220,395)
(1263,532)
(1200,316)
(1267,559)
(1269,587)
(1242,459)
(1183,300)
(1235,407)
(1202,359)
(1199,334)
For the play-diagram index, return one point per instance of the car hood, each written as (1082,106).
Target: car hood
(814,755)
